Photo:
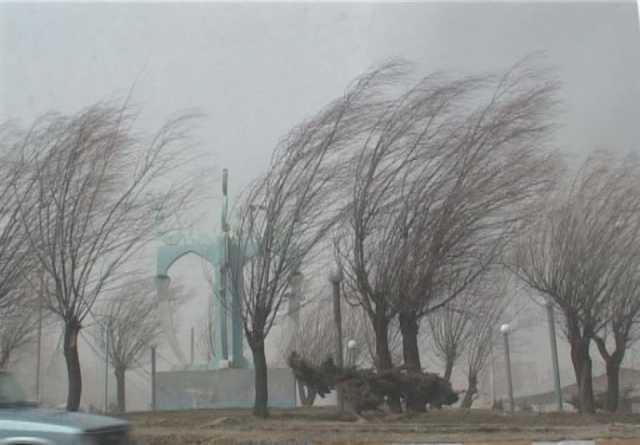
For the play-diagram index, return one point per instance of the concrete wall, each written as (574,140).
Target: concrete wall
(221,388)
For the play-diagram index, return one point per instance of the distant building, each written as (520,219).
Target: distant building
(629,381)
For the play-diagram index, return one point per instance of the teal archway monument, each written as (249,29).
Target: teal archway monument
(229,335)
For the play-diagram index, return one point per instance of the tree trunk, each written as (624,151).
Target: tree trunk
(120,385)
(307,395)
(448,369)
(409,330)
(582,366)
(472,389)
(260,406)
(411,354)
(613,385)
(383,358)
(72,359)
(613,363)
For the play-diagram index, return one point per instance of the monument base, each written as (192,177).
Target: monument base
(221,388)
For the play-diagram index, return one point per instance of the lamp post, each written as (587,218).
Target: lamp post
(504,329)
(554,352)
(106,369)
(153,377)
(335,277)
(351,352)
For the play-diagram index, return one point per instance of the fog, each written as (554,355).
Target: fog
(255,70)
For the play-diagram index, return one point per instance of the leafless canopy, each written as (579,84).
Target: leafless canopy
(290,210)
(130,320)
(582,254)
(448,174)
(286,213)
(86,207)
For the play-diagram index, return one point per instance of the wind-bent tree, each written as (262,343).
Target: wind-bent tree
(581,253)
(382,195)
(287,213)
(16,260)
(622,331)
(128,321)
(441,183)
(87,209)
(477,191)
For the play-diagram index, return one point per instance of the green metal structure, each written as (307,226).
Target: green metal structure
(229,337)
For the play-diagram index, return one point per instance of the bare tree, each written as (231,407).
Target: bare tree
(475,195)
(443,180)
(87,211)
(288,212)
(489,308)
(578,255)
(622,328)
(18,326)
(16,259)
(449,331)
(129,322)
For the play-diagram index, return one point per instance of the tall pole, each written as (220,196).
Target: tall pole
(153,378)
(554,353)
(192,344)
(493,378)
(335,279)
(224,269)
(106,372)
(39,343)
(507,358)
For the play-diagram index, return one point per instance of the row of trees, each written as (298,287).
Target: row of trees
(77,199)
(426,193)
(418,188)
(583,254)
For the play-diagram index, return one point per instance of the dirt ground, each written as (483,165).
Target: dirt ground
(315,426)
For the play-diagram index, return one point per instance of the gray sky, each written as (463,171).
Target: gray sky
(256,70)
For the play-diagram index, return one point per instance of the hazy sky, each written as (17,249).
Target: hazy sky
(256,70)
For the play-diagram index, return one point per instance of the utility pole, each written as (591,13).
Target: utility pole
(507,358)
(493,378)
(335,278)
(39,343)
(153,378)
(192,345)
(554,353)
(106,371)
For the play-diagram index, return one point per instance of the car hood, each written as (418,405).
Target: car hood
(61,418)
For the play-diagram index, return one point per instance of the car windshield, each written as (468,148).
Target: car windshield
(11,392)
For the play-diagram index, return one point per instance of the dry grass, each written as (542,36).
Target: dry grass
(324,426)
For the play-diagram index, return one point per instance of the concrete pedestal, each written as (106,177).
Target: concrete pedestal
(221,388)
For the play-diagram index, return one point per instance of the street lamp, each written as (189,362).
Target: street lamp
(504,329)
(551,325)
(335,277)
(351,352)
